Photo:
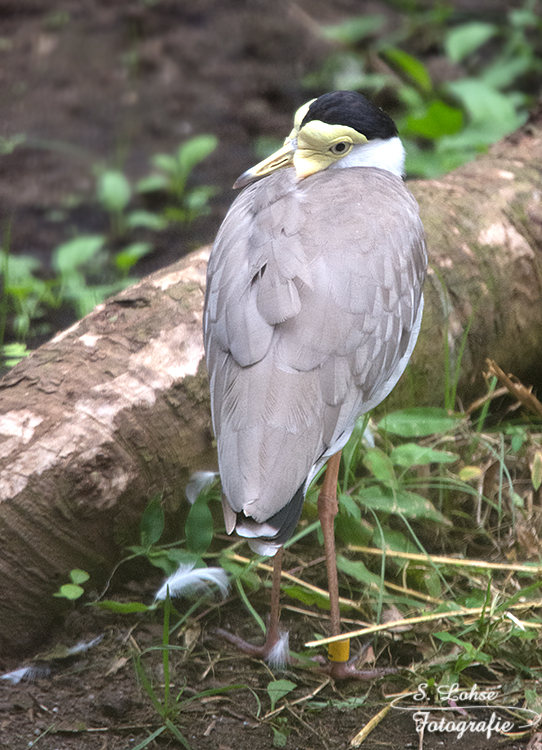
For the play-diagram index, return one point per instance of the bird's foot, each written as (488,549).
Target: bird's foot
(347,670)
(339,666)
(275,651)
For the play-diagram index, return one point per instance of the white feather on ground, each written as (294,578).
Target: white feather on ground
(37,671)
(186,580)
(28,674)
(279,656)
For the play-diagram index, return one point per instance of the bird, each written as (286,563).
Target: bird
(313,305)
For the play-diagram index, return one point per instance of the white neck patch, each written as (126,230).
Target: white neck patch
(386,154)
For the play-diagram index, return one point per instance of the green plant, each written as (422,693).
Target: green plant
(171,177)
(278,689)
(73,590)
(442,125)
(170,707)
(10,143)
(12,354)
(88,268)
(25,294)
(416,483)
(83,275)
(183,556)
(187,553)
(115,194)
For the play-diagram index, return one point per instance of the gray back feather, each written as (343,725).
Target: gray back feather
(314,295)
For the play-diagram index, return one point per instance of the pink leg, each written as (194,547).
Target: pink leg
(338,665)
(327,510)
(273,636)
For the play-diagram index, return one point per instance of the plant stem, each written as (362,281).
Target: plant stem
(165,653)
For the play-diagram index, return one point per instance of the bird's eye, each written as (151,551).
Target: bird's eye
(340,148)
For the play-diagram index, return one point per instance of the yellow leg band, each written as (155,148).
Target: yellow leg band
(339,651)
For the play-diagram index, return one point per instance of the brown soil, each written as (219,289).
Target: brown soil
(96,702)
(113,82)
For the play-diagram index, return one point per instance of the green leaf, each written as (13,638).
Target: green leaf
(70,591)
(17,269)
(74,253)
(152,183)
(175,214)
(169,560)
(123,608)
(358,570)
(536,470)
(413,68)
(433,163)
(465,39)
(351,530)
(280,738)
(401,502)
(449,638)
(194,151)
(533,700)
(517,500)
(418,422)
(468,473)
(519,436)
(492,114)
(131,254)
(248,576)
(386,538)
(381,466)
(432,582)
(152,523)
(471,652)
(165,162)
(198,198)
(79,576)
(503,72)
(475,598)
(439,119)
(306,597)
(12,354)
(353,29)
(342,705)
(114,191)
(147,220)
(524,17)
(10,143)
(349,505)
(277,689)
(199,527)
(412,454)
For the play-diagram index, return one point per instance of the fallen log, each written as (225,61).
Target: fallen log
(94,423)
(116,409)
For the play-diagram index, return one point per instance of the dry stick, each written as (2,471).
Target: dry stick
(409,592)
(346,602)
(517,389)
(298,581)
(416,556)
(427,618)
(497,393)
(321,615)
(368,728)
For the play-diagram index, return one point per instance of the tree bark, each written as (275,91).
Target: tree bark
(484,233)
(92,425)
(116,409)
